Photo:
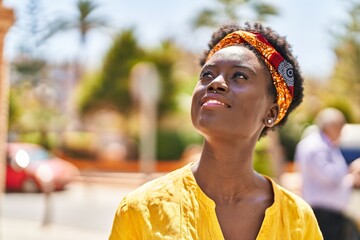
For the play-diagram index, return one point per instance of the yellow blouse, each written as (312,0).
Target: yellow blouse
(174,207)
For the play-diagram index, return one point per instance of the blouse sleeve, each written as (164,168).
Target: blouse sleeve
(123,226)
(313,230)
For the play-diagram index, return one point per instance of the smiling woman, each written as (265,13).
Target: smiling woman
(248,84)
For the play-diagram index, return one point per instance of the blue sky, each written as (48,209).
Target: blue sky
(306,24)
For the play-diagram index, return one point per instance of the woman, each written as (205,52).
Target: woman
(245,88)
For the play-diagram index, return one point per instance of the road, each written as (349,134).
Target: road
(85,210)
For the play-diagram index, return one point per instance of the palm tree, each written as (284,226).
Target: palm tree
(84,22)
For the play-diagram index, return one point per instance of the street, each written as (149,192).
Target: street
(85,210)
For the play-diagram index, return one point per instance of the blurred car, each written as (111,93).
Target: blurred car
(31,168)
(350,142)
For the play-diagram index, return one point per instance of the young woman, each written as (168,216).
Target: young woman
(248,84)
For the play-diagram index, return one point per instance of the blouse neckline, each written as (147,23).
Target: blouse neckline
(269,212)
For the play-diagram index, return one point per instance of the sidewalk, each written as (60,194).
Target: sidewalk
(94,195)
(16,229)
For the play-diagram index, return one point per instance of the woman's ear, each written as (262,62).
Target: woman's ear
(271,115)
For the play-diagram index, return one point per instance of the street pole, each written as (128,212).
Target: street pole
(6,21)
(145,85)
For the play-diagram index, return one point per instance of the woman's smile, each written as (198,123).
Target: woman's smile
(212,100)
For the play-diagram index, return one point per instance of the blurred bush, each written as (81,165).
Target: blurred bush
(171,143)
(262,158)
(82,145)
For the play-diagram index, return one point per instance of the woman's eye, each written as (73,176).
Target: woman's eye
(206,74)
(240,75)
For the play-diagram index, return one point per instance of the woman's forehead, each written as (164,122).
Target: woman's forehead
(236,55)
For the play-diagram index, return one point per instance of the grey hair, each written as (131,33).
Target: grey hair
(329,116)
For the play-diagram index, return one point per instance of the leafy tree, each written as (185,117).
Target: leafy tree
(229,10)
(165,58)
(346,75)
(28,67)
(32,27)
(29,64)
(32,106)
(111,88)
(33,110)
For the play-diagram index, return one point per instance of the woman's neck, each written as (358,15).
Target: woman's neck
(225,172)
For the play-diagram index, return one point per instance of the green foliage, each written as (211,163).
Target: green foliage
(30,63)
(171,143)
(264,10)
(229,10)
(29,66)
(345,105)
(79,145)
(112,86)
(29,70)
(14,109)
(298,120)
(262,159)
(205,18)
(32,111)
(165,59)
(346,75)
(31,27)
(289,139)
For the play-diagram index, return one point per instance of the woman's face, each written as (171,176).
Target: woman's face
(241,104)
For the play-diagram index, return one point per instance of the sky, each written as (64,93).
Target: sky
(307,25)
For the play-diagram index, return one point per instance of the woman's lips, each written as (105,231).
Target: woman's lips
(209,101)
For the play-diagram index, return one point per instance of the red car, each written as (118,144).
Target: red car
(31,168)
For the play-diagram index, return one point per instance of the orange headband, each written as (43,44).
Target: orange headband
(281,70)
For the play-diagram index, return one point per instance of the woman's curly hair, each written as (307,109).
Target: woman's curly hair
(280,44)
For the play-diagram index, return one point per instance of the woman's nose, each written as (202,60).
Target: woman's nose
(218,84)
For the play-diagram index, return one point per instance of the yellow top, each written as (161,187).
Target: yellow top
(174,207)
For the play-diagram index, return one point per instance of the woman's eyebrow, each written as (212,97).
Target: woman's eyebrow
(244,65)
(235,65)
(209,65)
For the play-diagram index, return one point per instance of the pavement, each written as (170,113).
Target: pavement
(89,186)
(18,229)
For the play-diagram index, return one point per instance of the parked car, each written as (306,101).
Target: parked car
(31,168)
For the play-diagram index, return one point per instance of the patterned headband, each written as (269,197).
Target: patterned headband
(281,70)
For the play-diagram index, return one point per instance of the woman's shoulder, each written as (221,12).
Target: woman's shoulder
(164,188)
(294,217)
(292,202)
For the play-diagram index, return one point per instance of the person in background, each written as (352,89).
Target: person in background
(327,182)
(248,85)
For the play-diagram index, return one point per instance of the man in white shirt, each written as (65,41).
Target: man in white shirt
(327,182)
